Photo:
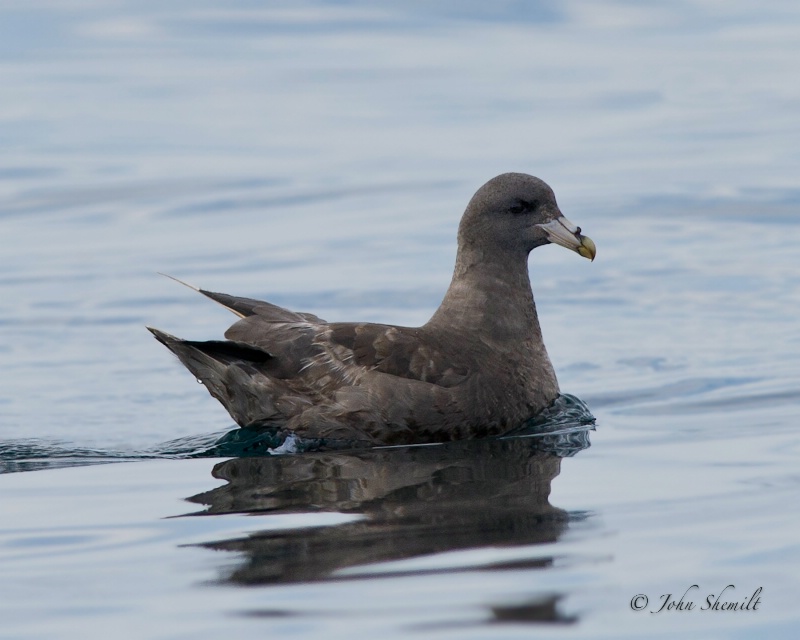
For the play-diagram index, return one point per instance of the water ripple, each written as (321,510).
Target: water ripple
(562,430)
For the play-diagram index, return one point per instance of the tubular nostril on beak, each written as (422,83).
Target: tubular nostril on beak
(561,231)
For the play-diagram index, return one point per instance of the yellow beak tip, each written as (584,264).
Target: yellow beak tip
(587,248)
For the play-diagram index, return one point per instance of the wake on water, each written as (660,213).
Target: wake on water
(562,430)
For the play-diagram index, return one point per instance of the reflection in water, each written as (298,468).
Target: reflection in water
(415,501)
(559,429)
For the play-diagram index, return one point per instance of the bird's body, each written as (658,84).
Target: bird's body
(478,367)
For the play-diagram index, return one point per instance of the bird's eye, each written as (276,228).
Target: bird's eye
(519,207)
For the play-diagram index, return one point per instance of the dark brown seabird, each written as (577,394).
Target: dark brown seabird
(478,367)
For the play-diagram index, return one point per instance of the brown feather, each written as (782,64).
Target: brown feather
(478,367)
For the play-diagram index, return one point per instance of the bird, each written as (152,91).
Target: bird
(477,368)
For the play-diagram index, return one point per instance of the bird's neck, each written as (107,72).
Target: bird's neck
(490,298)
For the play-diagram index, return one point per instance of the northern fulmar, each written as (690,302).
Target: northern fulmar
(477,368)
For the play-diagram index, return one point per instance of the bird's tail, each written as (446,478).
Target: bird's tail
(234,373)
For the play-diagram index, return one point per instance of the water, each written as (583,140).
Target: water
(274,151)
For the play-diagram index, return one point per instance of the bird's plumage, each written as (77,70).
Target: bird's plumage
(478,367)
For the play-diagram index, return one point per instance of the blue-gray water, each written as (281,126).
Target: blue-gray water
(319,155)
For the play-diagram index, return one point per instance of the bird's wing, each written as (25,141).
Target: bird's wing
(404,352)
(308,346)
(246,307)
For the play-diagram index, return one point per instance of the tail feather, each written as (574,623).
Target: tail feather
(234,373)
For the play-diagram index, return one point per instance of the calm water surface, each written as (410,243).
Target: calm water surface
(319,155)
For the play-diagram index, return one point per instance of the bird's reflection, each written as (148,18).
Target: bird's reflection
(413,501)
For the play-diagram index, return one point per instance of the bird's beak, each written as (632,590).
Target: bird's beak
(562,231)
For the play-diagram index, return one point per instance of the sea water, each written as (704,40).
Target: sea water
(319,155)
